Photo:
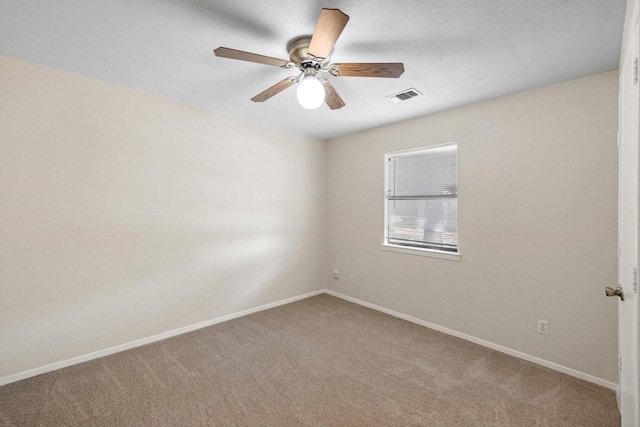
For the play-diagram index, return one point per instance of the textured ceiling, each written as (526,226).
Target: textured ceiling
(455,52)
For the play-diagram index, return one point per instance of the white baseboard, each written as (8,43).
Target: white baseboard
(506,350)
(137,343)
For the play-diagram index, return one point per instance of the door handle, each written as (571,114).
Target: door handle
(614,292)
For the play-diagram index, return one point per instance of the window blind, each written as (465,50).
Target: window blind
(422,198)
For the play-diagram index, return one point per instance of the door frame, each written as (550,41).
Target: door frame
(629,336)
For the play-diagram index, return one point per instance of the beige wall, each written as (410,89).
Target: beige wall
(537,223)
(124,215)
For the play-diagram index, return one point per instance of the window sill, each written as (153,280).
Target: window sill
(433,253)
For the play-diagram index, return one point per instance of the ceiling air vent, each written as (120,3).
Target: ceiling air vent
(404,95)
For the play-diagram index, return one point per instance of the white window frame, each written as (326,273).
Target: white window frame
(433,253)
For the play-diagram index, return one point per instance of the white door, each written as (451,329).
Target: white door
(628,236)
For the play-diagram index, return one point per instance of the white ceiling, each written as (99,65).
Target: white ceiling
(456,52)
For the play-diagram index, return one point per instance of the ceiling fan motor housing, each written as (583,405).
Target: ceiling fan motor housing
(298,49)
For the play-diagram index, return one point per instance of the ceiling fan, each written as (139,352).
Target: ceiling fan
(310,54)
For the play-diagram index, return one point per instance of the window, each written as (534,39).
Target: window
(422,199)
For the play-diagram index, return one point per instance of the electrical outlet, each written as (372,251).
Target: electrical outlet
(543,327)
(353,278)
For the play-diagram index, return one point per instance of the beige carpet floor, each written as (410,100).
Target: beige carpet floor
(321,361)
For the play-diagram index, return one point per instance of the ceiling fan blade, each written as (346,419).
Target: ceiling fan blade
(275,89)
(390,69)
(225,52)
(332,98)
(329,27)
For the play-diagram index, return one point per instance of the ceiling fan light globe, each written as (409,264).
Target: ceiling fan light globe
(310,93)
